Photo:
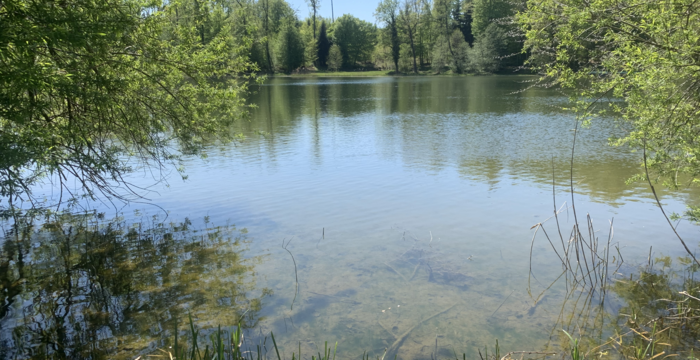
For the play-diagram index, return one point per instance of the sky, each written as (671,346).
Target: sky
(362,9)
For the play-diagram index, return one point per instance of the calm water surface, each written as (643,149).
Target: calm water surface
(399,198)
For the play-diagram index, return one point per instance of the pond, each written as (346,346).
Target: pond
(381,213)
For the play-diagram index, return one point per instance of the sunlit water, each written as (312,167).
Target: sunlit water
(406,199)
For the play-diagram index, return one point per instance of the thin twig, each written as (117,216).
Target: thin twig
(646,170)
(396,271)
(526,353)
(296,275)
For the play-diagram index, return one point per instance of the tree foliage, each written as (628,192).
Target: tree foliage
(410,17)
(314,5)
(485,12)
(406,59)
(644,52)
(356,39)
(335,58)
(89,89)
(290,48)
(324,45)
(484,55)
(387,12)
(92,89)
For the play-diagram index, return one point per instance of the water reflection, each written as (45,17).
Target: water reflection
(647,312)
(489,128)
(75,287)
(411,194)
(632,312)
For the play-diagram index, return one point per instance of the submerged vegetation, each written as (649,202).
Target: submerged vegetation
(79,286)
(654,313)
(658,318)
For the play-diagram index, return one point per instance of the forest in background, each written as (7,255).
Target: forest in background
(410,36)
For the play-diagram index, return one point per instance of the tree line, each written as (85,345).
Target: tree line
(440,36)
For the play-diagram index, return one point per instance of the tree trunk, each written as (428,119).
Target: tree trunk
(395,44)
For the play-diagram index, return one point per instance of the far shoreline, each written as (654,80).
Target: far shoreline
(382,73)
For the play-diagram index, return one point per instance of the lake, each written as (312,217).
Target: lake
(378,212)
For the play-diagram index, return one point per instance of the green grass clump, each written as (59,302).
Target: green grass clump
(231,345)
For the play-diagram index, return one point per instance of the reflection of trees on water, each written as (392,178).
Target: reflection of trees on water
(82,287)
(649,305)
(484,127)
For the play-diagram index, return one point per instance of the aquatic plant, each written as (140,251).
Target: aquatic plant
(80,286)
(575,351)
(230,344)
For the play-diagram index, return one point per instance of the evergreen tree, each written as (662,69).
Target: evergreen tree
(290,48)
(464,22)
(310,43)
(310,52)
(324,45)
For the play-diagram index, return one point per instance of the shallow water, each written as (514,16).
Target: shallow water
(405,197)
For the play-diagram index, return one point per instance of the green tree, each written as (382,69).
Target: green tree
(310,43)
(456,60)
(484,12)
(440,55)
(314,5)
(387,12)
(405,64)
(484,55)
(335,58)
(272,16)
(89,89)
(459,62)
(426,33)
(442,16)
(281,15)
(324,45)
(643,52)
(356,39)
(410,16)
(382,57)
(462,15)
(311,52)
(290,48)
